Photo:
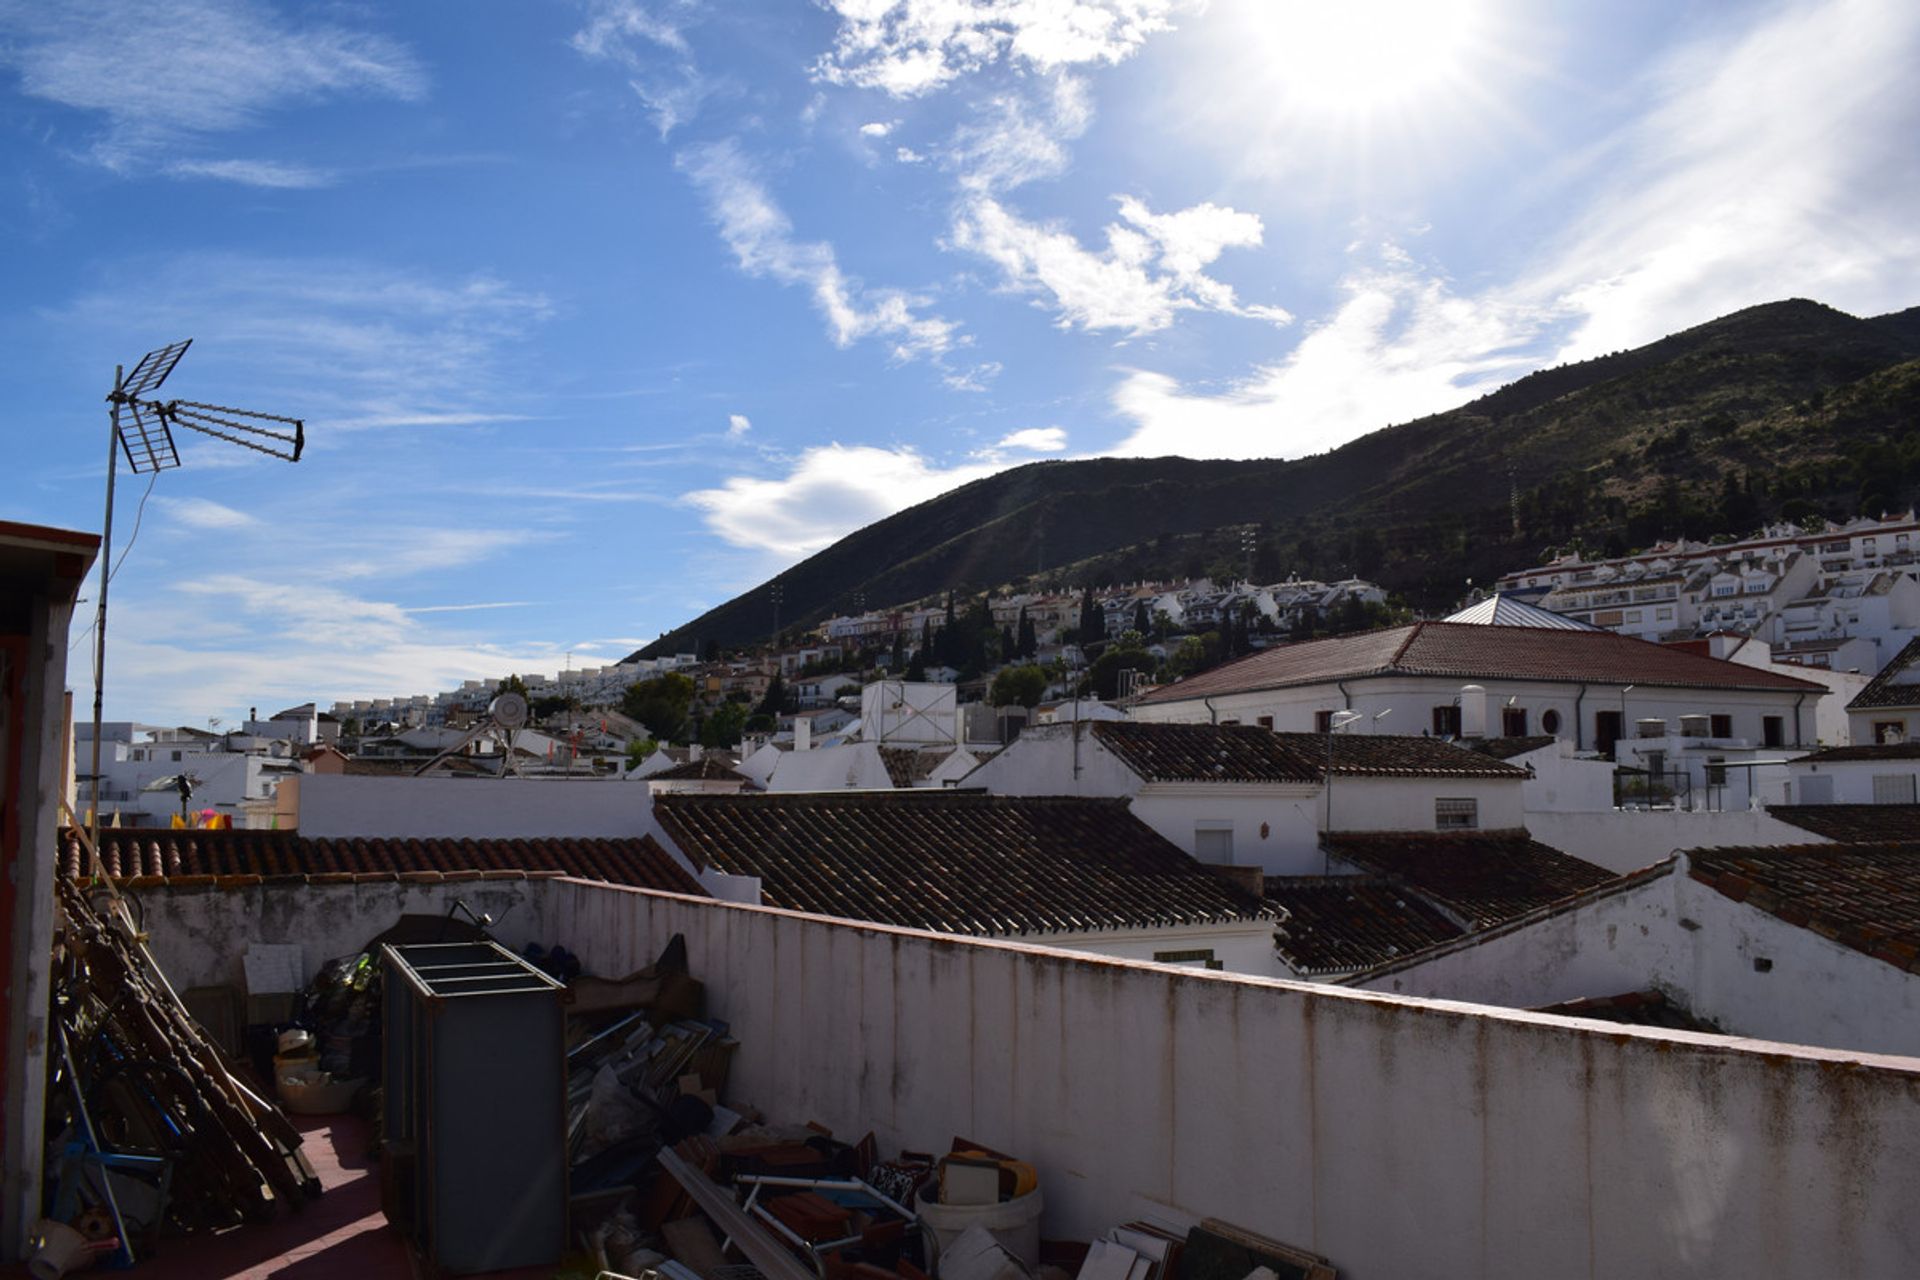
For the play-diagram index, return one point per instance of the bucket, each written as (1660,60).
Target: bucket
(62,1249)
(1014,1223)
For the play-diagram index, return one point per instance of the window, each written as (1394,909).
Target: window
(1202,959)
(1513,721)
(1716,771)
(1265,722)
(1773,731)
(1323,722)
(1894,788)
(1213,842)
(1664,614)
(1456,814)
(176,755)
(1550,721)
(1888,733)
(1446,721)
(1722,726)
(1633,615)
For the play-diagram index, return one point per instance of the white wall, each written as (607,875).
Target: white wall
(850,766)
(1240,948)
(1816,992)
(1275,827)
(1402,1139)
(481,808)
(1852,780)
(1410,700)
(1407,804)
(1623,840)
(1564,784)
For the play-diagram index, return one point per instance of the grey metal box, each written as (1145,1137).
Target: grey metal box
(474,1111)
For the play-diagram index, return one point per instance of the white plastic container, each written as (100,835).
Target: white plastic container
(62,1249)
(1014,1223)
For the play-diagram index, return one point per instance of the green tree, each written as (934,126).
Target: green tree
(639,749)
(1103,677)
(1142,619)
(724,727)
(1028,638)
(1093,623)
(512,684)
(1196,653)
(1021,686)
(661,704)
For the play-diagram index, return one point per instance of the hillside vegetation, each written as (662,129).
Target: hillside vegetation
(1789,409)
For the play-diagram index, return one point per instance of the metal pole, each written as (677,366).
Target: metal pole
(100,613)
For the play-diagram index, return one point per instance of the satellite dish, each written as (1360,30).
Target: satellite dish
(509,711)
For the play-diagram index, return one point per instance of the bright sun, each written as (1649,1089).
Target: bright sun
(1357,57)
(1354,91)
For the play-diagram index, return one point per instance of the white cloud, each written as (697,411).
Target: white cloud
(1772,163)
(348,344)
(1400,344)
(877,128)
(203,513)
(161,71)
(1153,265)
(830,491)
(1776,167)
(737,426)
(216,644)
(760,235)
(1019,138)
(1036,440)
(907,155)
(650,42)
(255,173)
(908,47)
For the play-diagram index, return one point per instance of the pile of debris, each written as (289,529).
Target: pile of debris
(668,1182)
(148,1129)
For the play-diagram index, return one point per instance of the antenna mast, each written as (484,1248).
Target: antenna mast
(142,428)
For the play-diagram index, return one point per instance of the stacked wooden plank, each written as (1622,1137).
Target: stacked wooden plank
(139,1076)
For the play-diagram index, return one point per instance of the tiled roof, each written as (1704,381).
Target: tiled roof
(1204,752)
(1508,748)
(639,862)
(1897,685)
(1863,896)
(1462,651)
(955,861)
(1872,751)
(1853,823)
(1480,877)
(705,769)
(906,766)
(1396,755)
(1634,1009)
(1338,924)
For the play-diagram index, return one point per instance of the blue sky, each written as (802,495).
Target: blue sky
(602,312)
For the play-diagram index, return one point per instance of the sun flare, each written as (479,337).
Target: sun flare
(1357,57)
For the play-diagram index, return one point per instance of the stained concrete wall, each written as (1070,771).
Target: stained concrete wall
(1402,1138)
(200,935)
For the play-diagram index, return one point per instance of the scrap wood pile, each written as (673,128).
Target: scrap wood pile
(147,1126)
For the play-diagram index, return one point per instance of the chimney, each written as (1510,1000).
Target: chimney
(695,751)
(802,733)
(1473,711)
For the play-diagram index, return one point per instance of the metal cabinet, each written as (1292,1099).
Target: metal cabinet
(474,1111)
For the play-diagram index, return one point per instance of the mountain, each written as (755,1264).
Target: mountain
(1792,408)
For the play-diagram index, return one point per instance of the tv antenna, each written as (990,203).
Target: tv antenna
(142,428)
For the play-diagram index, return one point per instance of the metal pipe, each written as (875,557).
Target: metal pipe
(100,612)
